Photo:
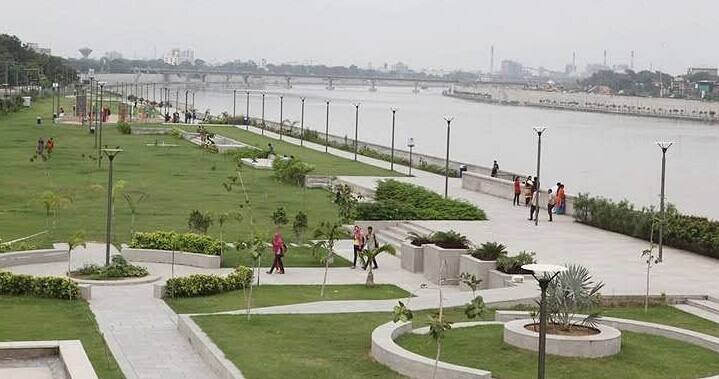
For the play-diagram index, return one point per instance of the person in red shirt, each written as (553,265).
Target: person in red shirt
(517,190)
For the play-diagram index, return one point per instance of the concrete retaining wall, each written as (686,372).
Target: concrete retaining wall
(498,279)
(165,256)
(29,257)
(434,256)
(412,257)
(504,188)
(207,350)
(71,353)
(478,268)
(607,343)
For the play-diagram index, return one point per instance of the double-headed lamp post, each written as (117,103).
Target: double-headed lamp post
(263,113)
(664,146)
(446,161)
(302,121)
(544,274)
(234,103)
(282,98)
(99,130)
(356,144)
(327,126)
(539,130)
(410,144)
(247,112)
(111,154)
(391,149)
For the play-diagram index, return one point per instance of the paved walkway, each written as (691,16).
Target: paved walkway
(611,257)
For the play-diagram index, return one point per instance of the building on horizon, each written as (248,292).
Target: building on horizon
(176,57)
(112,55)
(511,69)
(712,71)
(36,48)
(400,68)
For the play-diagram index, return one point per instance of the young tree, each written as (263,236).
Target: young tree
(223,218)
(438,326)
(255,247)
(52,202)
(299,225)
(475,308)
(199,221)
(326,235)
(133,199)
(652,260)
(279,217)
(78,239)
(346,202)
(370,254)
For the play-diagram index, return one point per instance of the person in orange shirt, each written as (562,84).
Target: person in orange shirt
(561,200)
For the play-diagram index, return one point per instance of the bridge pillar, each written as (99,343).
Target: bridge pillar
(372,85)
(246,80)
(416,88)
(330,84)
(289,82)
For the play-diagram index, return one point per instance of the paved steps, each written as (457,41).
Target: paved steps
(699,312)
(706,305)
(391,236)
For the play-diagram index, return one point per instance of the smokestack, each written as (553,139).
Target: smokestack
(491,59)
(631,61)
(605,57)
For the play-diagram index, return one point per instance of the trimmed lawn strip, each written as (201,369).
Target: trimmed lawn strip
(642,356)
(300,256)
(664,314)
(270,295)
(38,319)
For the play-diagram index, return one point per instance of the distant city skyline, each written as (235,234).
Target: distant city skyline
(420,33)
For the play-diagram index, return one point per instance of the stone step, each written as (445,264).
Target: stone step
(384,236)
(706,305)
(699,312)
(410,227)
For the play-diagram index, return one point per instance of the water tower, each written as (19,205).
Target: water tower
(85,51)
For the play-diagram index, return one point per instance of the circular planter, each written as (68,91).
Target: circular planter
(118,282)
(606,343)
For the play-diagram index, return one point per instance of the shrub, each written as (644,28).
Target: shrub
(203,284)
(291,170)
(573,291)
(42,286)
(450,240)
(118,268)
(489,251)
(18,246)
(279,216)
(696,234)
(513,265)
(417,239)
(246,152)
(124,128)
(189,242)
(412,202)
(299,225)
(199,221)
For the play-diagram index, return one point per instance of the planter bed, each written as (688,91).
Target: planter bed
(607,341)
(498,279)
(165,256)
(432,259)
(478,268)
(412,257)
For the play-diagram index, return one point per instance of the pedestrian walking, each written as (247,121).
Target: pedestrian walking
(517,190)
(551,201)
(495,169)
(40,146)
(561,200)
(528,190)
(278,248)
(50,145)
(357,244)
(371,244)
(534,204)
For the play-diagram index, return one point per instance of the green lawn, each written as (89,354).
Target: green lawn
(176,179)
(269,295)
(667,315)
(642,356)
(300,256)
(34,319)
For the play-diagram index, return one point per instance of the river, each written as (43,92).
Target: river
(614,156)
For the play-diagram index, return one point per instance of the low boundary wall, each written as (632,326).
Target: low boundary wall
(165,256)
(208,351)
(29,257)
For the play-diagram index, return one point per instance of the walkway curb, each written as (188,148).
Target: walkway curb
(207,350)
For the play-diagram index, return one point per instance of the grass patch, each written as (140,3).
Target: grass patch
(300,256)
(664,314)
(270,295)
(33,319)
(642,356)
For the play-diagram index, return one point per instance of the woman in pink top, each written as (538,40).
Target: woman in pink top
(278,248)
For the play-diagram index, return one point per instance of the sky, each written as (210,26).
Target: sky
(449,34)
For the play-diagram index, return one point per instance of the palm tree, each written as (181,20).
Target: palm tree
(78,239)
(133,199)
(326,234)
(370,254)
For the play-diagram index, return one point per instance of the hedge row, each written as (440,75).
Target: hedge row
(395,200)
(203,284)
(188,242)
(696,234)
(41,286)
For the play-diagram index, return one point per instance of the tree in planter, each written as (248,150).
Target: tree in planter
(199,221)
(346,202)
(299,225)
(133,199)
(324,247)
(573,291)
(370,254)
(78,239)
(279,217)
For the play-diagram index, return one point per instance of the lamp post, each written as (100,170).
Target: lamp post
(187,91)
(193,102)
(356,127)
(154,98)
(111,154)
(282,98)
(90,112)
(234,103)
(263,113)
(247,112)
(99,130)
(302,122)
(327,125)
(391,159)
(446,161)
(410,144)
(664,146)
(177,101)
(539,130)
(544,274)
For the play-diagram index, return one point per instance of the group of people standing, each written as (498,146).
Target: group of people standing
(362,241)
(556,197)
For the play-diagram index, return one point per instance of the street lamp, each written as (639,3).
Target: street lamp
(410,144)
(664,146)
(446,161)
(111,154)
(544,274)
(263,113)
(356,127)
(391,160)
(187,91)
(99,130)
(234,103)
(327,125)
(539,130)
(302,122)
(247,114)
(282,98)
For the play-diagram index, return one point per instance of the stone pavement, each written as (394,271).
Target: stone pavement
(611,257)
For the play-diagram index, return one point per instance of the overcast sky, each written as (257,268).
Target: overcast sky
(670,35)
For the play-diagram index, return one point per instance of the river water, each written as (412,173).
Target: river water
(608,155)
